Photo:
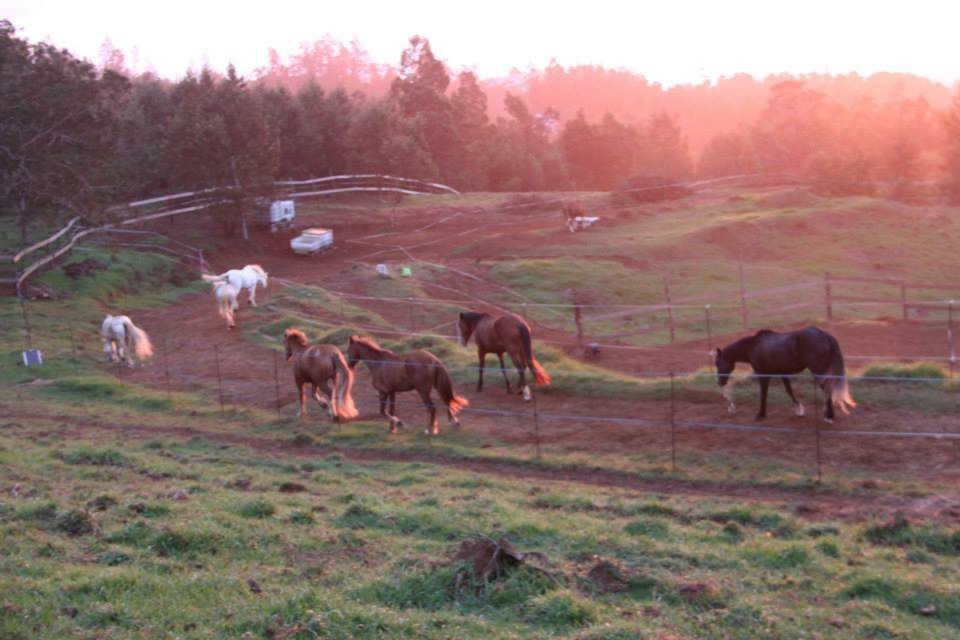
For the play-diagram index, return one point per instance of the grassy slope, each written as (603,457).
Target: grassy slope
(118,538)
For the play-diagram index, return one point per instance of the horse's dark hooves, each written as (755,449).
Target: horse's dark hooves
(759,417)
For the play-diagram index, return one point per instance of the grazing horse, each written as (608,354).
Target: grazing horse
(508,333)
(247,278)
(392,372)
(122,340)
(319,365)
(226,296)
(771,353)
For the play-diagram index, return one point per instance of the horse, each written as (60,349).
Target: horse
(507,333)
(122,340)
(771,353)
(318,365)
(246,278)
(226,296)
(392,372)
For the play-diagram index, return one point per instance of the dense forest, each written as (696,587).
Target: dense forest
(76,135)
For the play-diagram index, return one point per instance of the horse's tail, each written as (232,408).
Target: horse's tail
(142,347)
(539,375)
(441,380)
(839,389)
(209,278)
(346,409)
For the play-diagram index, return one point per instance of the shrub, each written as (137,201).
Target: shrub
(74,523)
(561,610)
(259,508)
(104,458)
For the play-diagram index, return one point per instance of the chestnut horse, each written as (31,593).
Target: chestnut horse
(318,365)
(508,333)
(392,372)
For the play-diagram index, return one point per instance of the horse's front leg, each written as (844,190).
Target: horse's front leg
(302,392)
(393,409)
(253,295)
(503,370)
(384,397)
(798,406)
(110,349)
(481,356)
(764,385)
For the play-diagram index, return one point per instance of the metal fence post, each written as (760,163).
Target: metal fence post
(673,425)
(828,295)
(166,370)
(951,341)
(276,381)
(743,295)
(666,293)
(903,299)
(816,428)
(216,357)
(536,425)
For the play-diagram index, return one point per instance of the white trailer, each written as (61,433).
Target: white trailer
(312,240)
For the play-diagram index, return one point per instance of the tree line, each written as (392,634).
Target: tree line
(75,137)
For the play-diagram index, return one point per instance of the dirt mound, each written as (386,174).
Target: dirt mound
(607,577)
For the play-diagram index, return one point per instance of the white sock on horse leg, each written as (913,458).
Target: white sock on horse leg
(799,410)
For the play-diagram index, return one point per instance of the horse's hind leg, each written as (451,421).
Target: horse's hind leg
(827,385)
(434,428)
(325,399)
(503,370)
(522,387)
(764,385)
(394,423)
(393,407)
(798,406)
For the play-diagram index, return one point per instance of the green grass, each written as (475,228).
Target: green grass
(367,551)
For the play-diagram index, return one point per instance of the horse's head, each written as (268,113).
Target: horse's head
(464,328)
(294,340)
(353,352)
(724,366)
(261,275)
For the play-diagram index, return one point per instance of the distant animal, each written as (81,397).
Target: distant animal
(772,354)
(318,366)
(418,370)
(226,296)
(507,333)
(122,340)
(246,278)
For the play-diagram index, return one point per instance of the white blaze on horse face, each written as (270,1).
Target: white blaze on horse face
(728,396)
(527,396)
(799,410)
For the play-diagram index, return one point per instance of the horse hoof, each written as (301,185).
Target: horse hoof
(759,417)
(828,420)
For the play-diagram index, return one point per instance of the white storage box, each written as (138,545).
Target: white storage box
(312,240)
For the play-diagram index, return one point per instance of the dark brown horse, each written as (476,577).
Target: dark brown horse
(319,365)
(510,334)
(392,372)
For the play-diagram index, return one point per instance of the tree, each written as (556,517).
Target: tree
(727,154)
(57,125)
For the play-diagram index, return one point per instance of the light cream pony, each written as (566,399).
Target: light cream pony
(122,340)
(226,296)
(246,278)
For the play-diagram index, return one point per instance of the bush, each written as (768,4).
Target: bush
(561,610)
(104,458)
(75,523)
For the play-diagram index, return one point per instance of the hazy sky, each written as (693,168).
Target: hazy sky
(672,41)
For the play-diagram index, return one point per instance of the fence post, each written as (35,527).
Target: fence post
(673,425)
(743,295)
(73,345)
(166,370)
(410,304)
(706,317)
(200,259)
(536,425)
(578,321)
(216,357)
(666,293)
(951,341)
(276,381)
(816,428)
(828,297)
(903,299)
(26,319)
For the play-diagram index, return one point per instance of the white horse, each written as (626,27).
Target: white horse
(247,278)
(226,297)
(122,340)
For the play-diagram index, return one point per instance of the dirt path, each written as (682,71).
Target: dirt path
(812,504)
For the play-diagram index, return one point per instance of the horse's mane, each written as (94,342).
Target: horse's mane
(257,268)
(473,317)
(369,342)
(297,335)
(763,332)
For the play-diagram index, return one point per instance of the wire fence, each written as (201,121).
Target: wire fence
(666,413)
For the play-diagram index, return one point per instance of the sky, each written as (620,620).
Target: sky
(668,41)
